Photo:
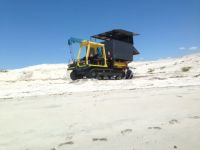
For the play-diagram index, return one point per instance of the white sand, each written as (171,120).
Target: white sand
(42,109)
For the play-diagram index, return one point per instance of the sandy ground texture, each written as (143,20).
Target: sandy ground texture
(42,109)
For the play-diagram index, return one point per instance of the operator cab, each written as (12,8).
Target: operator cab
(94,54)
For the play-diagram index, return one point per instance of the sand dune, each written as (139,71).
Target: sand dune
(42,109)
(54,79)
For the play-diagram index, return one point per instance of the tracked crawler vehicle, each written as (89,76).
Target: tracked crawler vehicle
(107,59)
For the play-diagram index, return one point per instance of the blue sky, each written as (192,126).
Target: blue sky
(36,31)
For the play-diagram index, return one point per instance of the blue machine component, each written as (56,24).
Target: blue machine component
(73,40)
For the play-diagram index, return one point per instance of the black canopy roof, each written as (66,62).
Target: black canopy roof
(117,34)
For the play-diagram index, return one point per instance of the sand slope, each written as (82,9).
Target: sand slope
(54,79)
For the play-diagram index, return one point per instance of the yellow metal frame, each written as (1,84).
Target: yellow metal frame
(89,45)
(119,64)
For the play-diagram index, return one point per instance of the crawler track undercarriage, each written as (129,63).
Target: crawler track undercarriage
(101,74)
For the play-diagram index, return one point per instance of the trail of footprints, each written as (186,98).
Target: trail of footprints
(123,133)
(99,139)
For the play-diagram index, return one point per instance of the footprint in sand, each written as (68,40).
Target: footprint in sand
(195,117)
(66,143)
(99,139)
(173,121)
(179,96)
(126,131)
(69,142)
(156,128)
